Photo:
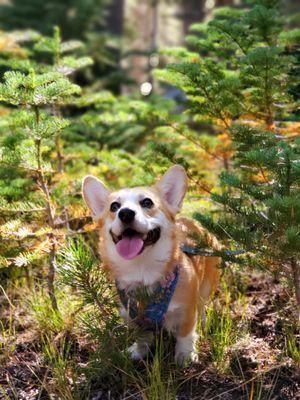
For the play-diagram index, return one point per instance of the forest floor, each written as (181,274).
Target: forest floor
(256,364)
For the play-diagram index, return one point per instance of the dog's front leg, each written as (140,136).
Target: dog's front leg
(186,340)
(141,347)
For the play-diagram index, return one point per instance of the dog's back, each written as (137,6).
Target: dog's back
(207,268)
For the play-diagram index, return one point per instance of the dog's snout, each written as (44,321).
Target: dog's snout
(126,215)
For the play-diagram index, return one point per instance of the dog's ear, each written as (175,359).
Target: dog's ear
(172,187)
(95,195)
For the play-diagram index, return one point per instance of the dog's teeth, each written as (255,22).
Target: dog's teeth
(144,236)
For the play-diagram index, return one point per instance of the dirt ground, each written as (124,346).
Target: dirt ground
(256,369)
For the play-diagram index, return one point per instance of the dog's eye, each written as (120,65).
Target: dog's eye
(115,206)
(146,203)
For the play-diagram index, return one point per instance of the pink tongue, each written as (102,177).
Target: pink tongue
(129,247)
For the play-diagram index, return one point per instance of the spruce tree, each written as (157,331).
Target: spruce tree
(33,202)
(239,76)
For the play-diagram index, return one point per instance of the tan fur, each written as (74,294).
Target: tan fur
(199,276)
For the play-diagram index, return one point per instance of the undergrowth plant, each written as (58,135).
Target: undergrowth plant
(7,338)
(99,318)
(79,269)
(62,367)
(161,382)
(224,324)
(292,342)
(50,321)
(220,330)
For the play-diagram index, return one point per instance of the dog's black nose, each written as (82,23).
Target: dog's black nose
(126,215)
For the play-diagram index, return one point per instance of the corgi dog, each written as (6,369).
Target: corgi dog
(140,241)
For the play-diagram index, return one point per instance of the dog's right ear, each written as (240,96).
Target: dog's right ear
(172,187)
(95,195)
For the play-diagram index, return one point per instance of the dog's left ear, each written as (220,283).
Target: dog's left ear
(172,186)
(95,195)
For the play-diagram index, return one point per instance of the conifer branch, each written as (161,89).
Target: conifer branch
(195,142)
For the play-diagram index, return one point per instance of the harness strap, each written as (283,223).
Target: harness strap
(146,308)
(195,251)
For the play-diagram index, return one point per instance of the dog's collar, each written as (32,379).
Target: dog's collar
(148,309)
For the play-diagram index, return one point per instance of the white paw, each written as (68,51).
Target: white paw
(185,348)
(182,357)
(138,351)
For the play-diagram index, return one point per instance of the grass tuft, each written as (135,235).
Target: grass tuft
(292,342)
(221,323)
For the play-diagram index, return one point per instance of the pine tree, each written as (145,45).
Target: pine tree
(33,95)
(239,75)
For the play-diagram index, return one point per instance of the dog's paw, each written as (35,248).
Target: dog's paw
(138,351)
(182,358)
(185,348)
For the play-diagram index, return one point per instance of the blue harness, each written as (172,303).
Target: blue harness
(148,309)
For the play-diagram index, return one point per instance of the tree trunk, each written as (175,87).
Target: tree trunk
(115,17)
(51,273)
(222,3)
(115,24)
(192,11)
(296,279)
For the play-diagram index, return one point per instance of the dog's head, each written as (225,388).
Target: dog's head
(137,222)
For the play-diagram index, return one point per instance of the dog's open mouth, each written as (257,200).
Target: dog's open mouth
(131,243)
